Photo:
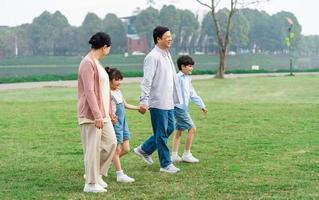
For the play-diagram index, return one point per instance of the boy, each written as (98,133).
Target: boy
(182,117)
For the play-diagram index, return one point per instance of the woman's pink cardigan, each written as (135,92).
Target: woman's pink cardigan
(90,103)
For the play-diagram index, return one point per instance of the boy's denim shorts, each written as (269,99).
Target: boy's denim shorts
(183,119)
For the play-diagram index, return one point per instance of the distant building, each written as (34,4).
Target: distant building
(136,44)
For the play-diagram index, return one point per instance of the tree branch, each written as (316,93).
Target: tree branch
(204,4)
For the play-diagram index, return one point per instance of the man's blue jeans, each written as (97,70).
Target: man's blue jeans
(163,127)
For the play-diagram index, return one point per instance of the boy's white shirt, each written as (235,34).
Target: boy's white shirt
(188,92)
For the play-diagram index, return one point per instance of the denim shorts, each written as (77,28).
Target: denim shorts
(121,128)
(183,119)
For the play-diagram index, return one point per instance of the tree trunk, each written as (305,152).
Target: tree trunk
(222,62)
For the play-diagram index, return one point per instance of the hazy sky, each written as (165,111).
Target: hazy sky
(16,12)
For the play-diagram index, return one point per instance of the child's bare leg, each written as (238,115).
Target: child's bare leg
(125,148)
(116,158)
(189,139)
(187,155)
(176,139)
(120,175)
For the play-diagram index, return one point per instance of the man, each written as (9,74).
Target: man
(159,94)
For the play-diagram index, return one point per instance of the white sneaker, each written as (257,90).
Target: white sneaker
(147,158)
(176,158)
(101,181)
(189,158)
(93,188)
(170,169)
(124,179)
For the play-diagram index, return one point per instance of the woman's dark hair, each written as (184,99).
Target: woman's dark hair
(184,60)
(100,39)
(113,73)
(158,32)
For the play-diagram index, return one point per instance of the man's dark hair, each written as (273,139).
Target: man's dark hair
(100,39)
(184,60)
(158,32)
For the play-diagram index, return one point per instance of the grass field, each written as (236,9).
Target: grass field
(41,68)
(260,140)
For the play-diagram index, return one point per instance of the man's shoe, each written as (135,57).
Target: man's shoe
(124,179)
(139,152)
(189,158)
(170,169)
(176,158)
(95,188)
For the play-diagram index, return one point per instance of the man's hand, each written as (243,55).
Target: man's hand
(205,111)
(99,123)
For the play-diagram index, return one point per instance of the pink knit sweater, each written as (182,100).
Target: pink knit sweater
(90,104)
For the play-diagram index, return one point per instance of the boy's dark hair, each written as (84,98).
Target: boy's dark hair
(158,32)
(100,39)
(114,73)
(184,60)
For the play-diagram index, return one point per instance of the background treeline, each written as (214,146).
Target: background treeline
(253,31)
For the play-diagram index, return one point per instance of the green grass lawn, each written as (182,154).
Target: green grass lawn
(260,140)
(47,68)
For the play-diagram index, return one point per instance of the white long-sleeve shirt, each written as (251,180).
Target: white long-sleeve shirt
(159,87)
(188,92)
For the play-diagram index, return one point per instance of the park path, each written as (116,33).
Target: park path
(73,83)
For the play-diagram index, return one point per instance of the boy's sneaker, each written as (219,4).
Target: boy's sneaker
(96,188)
(176,158)
(170,169)
(189,158)
(101,181)
(147,158)
(124,179)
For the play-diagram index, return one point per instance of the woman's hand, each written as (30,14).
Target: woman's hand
(99,123)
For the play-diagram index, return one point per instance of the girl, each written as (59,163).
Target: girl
(121,128)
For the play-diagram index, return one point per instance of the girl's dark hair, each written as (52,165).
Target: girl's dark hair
(113,73)
(158,32)
(100,39)
(184,60)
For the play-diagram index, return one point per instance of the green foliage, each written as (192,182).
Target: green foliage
(51,34)
(259,140)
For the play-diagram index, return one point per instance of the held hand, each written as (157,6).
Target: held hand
(113,118)
(99,123)
(205,111)
(142,109)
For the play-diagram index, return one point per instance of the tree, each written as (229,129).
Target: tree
(223,38)
(115,28)
(91,25)
(145,22)
(280,30)
(169,17)
(260,29)
(186,30)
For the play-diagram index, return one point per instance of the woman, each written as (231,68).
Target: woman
(97,133)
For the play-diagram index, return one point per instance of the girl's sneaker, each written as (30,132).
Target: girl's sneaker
(176,158)
(189,158)
(124,179)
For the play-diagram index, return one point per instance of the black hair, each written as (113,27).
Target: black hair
(114,73)
(184,60)
(100,39)
(158,32)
